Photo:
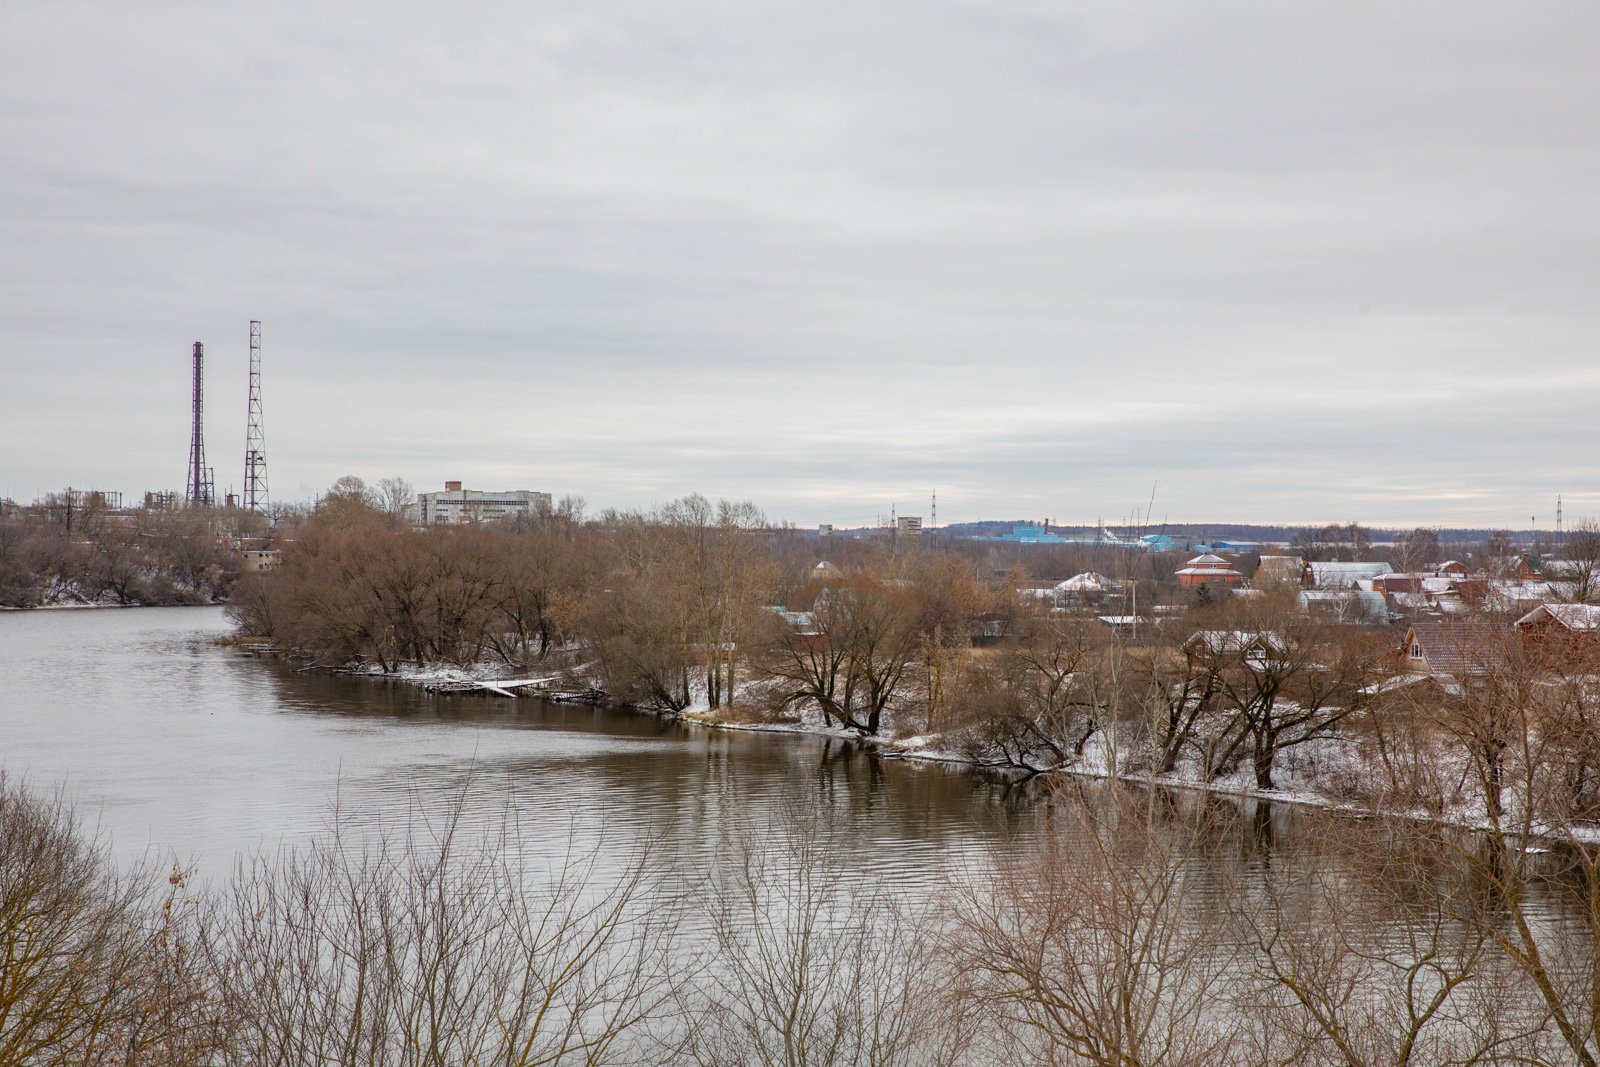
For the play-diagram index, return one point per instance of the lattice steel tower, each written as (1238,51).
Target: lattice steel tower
(201,488)
(255,439)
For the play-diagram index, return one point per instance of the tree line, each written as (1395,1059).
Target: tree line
(702,605)
(74,549)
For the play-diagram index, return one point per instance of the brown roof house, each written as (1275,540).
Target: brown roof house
(1280,570)
(1455,648)
(1209,570)
(1561,630)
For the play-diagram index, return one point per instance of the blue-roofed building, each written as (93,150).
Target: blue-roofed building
(1030,533)
(1027,533)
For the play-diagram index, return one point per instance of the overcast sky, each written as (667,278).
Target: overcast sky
(1275,262)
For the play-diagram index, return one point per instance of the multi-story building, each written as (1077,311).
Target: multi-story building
(1207,569)
(457,505)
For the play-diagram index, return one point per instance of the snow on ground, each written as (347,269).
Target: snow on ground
(1332,772)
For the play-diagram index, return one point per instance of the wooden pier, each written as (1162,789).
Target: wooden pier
(516,687)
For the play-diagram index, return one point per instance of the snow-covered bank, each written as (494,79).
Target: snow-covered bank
(1338,772)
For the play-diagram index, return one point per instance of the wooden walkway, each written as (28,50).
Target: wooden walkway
(512,687)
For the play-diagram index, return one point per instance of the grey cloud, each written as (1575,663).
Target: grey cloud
(1321,262)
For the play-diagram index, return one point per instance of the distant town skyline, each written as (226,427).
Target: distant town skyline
(1287,265)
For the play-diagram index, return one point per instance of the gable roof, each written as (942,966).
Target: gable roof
(1287,568)
(1225,642)
(1347,603)
(1337,574)
(1459,647)
(1087,582)
(1579,618)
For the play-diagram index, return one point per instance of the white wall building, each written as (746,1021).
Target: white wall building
(457,505)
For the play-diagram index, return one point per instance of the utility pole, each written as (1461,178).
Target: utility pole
(255,438)
(201,489)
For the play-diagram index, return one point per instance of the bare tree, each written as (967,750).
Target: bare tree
(394,495)
(349,503)
(1272,681)
(715,557)
(540,570)
(1048,705)
(96,967)
(1351,541)
(1580,566)
(1516,727)
(1417,550)
(1091,949)
(432,950)
(808,971)
(1363,960)
(852,662)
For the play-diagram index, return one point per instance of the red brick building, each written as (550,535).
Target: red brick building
(1209,569)
(1561,630)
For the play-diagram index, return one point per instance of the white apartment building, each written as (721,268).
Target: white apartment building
(458,505)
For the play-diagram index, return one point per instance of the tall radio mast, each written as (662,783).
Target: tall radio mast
(201,488)
(255,438)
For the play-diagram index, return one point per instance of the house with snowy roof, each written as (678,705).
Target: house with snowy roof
(1208,569)
(1253,648)
(1519,596)
(1333,574)
(1429,591)
(1081,589)
(1356,607)
(1086,588)
(1561,630)
(1088,582)
(800,623)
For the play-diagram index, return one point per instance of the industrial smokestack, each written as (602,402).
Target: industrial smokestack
(201,486)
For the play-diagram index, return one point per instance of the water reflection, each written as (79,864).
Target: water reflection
(174,742)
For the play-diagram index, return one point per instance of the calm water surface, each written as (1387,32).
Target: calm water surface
(175,744)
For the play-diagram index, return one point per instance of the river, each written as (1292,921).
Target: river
(174,745)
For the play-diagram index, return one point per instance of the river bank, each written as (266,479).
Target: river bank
(1331,774)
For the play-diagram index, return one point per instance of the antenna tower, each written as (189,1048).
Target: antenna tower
(1561,535)
(201,488)
(933,517)
(255,438)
